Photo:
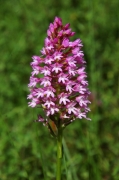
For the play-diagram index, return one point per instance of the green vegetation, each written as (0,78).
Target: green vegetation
(27,151)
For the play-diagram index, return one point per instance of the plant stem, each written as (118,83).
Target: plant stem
(59,154)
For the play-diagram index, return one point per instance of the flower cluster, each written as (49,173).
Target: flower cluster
(58,80)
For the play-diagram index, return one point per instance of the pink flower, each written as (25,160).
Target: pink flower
(45,81)
(34,102)
(45,70)
(52,110)
(71,108)
(69,86)
(36,61)
(62,89)
(63,98)
(39,92)
(71,62)
(33,81)
(36,70)
(62,78)
(71,71)
(57,55)
(49,103)
(49,92)
(49,60)
(56,67)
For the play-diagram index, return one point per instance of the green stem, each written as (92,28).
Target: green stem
(59,154)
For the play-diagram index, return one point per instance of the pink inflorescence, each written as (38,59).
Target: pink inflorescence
(62,89)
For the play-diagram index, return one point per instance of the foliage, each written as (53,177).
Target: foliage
(91,148)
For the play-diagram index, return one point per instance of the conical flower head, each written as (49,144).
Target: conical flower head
(62,90)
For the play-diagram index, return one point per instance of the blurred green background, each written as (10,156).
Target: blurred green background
(91,148)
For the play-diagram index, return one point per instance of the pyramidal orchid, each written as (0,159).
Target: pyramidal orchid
(62,89)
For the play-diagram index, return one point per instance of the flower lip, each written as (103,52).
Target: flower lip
(49,92)
(34,102)
(45,81)
(63,98)
(57,67)
(57,55)
(46,71)
(62,78)
(71,108)
(33,81)
(39,92)
(52,111)
(49,103)
(49,60)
